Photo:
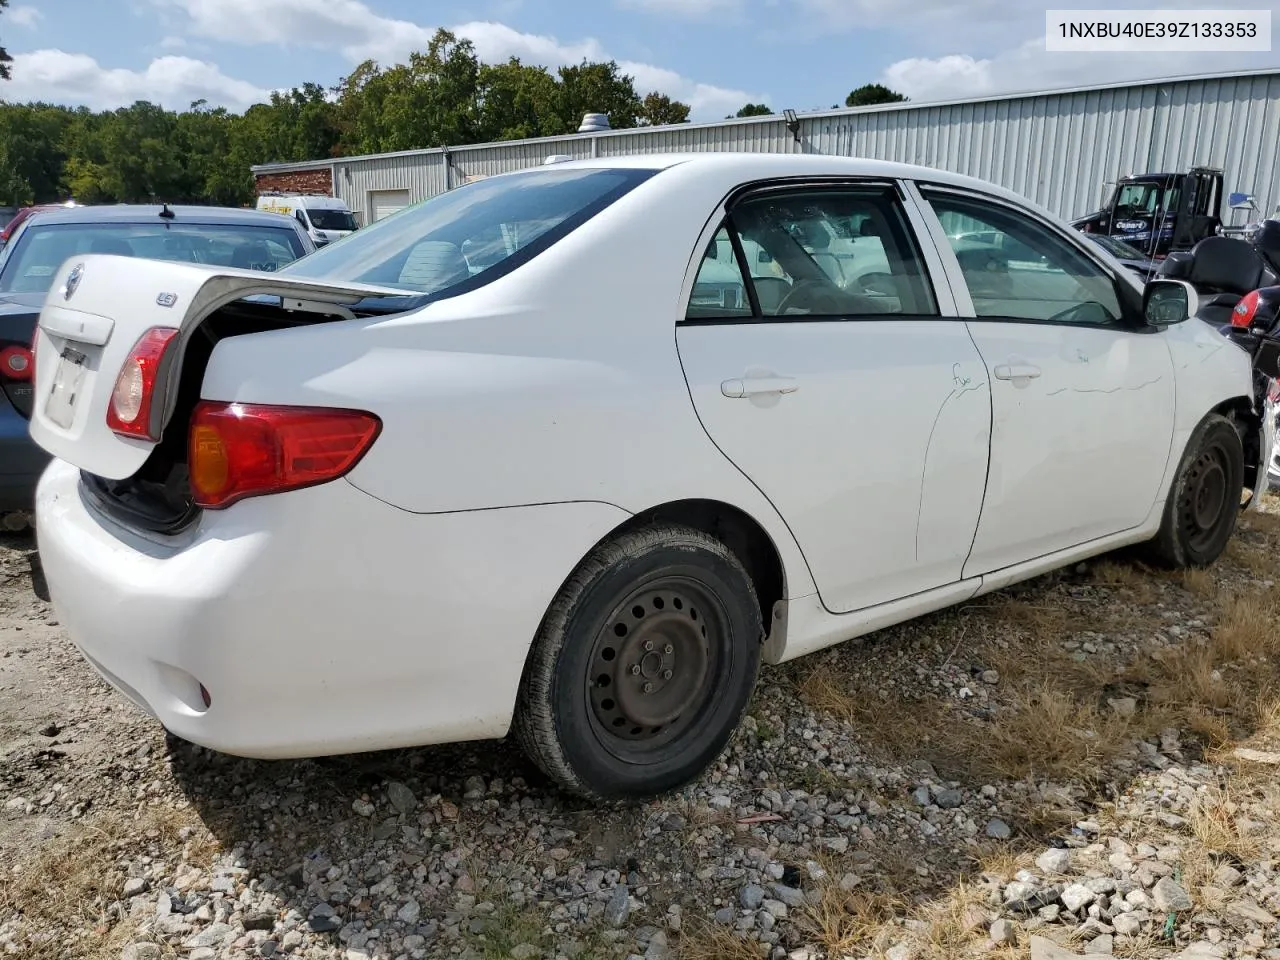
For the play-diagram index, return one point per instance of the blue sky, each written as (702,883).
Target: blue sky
(713,54)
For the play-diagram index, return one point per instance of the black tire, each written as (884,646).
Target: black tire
(1204,499)
(667,606)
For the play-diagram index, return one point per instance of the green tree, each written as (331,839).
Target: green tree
(753,110)
(517,101)
(5,59)
(658,108)
(872,93)
(598,88)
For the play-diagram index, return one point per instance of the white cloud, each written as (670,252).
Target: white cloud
(353,29)
(25,17)
(1028,67)
(60,77)
(685,9)
(173,43)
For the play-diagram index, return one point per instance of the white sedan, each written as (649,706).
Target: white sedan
(581,485)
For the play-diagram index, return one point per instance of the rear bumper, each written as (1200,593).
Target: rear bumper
(321,621)
(21,461)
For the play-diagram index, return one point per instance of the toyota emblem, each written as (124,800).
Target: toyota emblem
(73,281)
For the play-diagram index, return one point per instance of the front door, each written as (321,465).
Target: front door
(846,395)
(1082,403)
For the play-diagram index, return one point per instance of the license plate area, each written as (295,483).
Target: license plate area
(68,382)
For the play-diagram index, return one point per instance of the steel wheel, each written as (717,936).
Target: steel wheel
(643,666)
(1205,497)
(651,663)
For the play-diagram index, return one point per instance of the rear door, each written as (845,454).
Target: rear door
(860,409)
(96,311)
(1083,403)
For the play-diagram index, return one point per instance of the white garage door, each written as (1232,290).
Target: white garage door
(386,202)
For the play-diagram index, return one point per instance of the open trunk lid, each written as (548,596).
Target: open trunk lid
(95,312)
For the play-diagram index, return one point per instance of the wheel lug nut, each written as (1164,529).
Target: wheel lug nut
(635,671)
(648,644)
(648,688)
(666,674)
(668,649)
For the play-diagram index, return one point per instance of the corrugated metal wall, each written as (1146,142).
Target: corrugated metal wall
(1060,149)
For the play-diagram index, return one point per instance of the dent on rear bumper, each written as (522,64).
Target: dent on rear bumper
(321,621)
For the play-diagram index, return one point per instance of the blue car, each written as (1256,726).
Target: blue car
(219,236)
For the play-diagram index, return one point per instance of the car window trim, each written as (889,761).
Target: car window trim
(721,216)
(926,187)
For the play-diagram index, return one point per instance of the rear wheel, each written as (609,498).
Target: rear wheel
(643,665)
(1204,500)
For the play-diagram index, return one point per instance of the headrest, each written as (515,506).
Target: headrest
(1226,264)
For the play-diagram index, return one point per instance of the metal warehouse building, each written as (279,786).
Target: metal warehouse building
(1060,148)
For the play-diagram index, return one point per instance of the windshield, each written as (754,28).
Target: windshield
(464,238)
(332,219)
(38,252)
(1139,199)
(1117,249)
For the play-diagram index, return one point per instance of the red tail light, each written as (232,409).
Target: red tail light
(130,412)
(239,450)
(1242,315)
(16,363)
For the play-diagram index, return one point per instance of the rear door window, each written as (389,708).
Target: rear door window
(821,252)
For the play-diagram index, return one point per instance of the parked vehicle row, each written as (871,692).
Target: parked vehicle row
(612,432)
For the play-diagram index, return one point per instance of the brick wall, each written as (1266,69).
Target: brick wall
(301,181)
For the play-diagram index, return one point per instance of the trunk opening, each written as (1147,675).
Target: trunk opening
(157,498)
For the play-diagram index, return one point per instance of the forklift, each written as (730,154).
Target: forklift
(1158,213)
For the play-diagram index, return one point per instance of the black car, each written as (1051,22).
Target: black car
(1133,258)
(217,236)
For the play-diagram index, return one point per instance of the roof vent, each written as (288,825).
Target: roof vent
(594,123)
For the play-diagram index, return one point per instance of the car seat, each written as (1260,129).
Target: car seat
(433,265)
(1222,270)
(249,256)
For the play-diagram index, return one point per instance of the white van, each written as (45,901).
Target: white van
(324,218)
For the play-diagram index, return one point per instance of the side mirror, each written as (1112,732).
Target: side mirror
(1166,302)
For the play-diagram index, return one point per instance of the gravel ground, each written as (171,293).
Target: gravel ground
(1084,765)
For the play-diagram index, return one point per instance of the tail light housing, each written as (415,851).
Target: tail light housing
(1243,313)
(132,411)
(17,363)
(239,450)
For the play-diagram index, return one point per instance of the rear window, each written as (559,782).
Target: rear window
(41,249)
(466,237)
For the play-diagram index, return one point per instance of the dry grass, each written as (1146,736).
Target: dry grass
(708,942)
(1052,722)
(71,882)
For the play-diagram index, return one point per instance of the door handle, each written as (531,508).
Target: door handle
(1016,371)
(757,386)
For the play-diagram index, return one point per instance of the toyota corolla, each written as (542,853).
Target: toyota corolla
(571,451)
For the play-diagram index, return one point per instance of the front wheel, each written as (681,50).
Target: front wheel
(1204,500)
(643,665)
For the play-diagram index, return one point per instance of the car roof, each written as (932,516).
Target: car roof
(746,167)
(135,213)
